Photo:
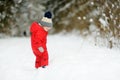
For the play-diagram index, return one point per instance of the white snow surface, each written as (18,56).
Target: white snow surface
(70,58)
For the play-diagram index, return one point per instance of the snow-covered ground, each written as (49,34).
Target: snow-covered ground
(71,58)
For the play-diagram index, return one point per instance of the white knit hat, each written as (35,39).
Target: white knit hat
(47,19)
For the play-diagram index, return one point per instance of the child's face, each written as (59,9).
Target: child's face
(46,28)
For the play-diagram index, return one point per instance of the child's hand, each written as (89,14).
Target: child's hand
(41,49)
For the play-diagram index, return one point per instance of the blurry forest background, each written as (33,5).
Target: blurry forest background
(96,18)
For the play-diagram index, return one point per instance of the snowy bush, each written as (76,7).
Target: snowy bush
(89,17)
(81,14)
(16,16)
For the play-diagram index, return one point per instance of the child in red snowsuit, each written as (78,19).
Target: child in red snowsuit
(39,32)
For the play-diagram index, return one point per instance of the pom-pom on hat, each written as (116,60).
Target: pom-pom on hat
(47,19)
(48,14)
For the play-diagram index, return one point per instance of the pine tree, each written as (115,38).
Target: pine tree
(6,15)
(81,14)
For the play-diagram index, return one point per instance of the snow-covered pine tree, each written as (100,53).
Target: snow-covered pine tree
(6,15)
(103,15)
(17,15)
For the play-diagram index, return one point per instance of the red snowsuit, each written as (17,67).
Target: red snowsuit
(39,39)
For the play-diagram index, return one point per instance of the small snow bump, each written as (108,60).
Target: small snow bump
(92,3)
(79,18)
(91,20)
(84,17)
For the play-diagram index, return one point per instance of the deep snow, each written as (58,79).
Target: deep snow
(71,58)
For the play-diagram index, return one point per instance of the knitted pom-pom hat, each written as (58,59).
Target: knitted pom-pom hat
(47,19)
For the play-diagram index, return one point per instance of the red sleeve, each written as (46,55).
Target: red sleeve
(38,39)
